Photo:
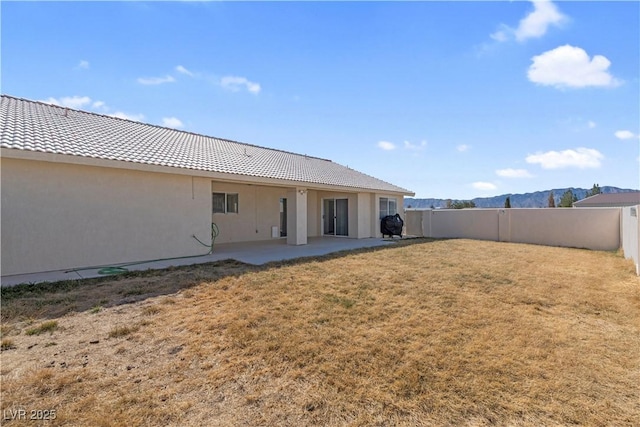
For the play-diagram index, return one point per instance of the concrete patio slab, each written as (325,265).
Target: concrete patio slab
(256,253)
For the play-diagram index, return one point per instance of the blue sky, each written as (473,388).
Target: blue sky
(448,99)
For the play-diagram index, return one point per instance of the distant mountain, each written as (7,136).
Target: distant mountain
(538,199)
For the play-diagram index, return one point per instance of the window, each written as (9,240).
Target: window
(232,203)
(388,207)
(219,202)
(225,202)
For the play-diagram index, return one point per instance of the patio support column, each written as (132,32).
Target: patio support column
(364,215)
(297,216)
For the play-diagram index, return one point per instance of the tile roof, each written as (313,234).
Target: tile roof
(41,127)
(627,198)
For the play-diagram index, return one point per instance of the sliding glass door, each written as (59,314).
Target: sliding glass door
(342,217)
(283,217)
(335,217)
(329,216)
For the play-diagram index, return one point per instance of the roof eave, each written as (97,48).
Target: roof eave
(15,153)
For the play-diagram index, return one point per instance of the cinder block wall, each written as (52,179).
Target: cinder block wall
(630,234)
(464,223)
(413,223)
(591,228)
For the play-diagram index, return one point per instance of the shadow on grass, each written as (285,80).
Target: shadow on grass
(54,299)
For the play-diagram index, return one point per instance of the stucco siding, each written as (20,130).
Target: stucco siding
(61,216)
(364,214)
(313,212)
(375,208)
(258,212)
(375,212)
(353,215)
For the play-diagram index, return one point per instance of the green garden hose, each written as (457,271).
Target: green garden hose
(112,270)
(119,269)
(214,234)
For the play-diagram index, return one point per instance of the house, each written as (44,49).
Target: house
(82,189)
(610,200)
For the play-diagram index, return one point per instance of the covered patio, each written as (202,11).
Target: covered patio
(256,253)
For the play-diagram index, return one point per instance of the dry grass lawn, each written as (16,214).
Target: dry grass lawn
(450,332)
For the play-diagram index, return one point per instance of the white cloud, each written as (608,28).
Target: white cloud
(172,122)
(84,65)
(569,66)
(156,80)
(502,35)
(534,25)
(625,134)
(463,147)
(537,22)
(415,147)
(82,102)
(513,173)
(484,186)
(581,158)
(235,84)
(133,117)
(69,101)
(183,70)
(386,145)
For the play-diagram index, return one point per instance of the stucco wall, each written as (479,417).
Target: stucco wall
(364,215)
(593,228)
(472,224)
(630,234)
(401,212)
(375,223)
(313,214)
(413,223)
(352,209)
(60,216)
(258,211)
